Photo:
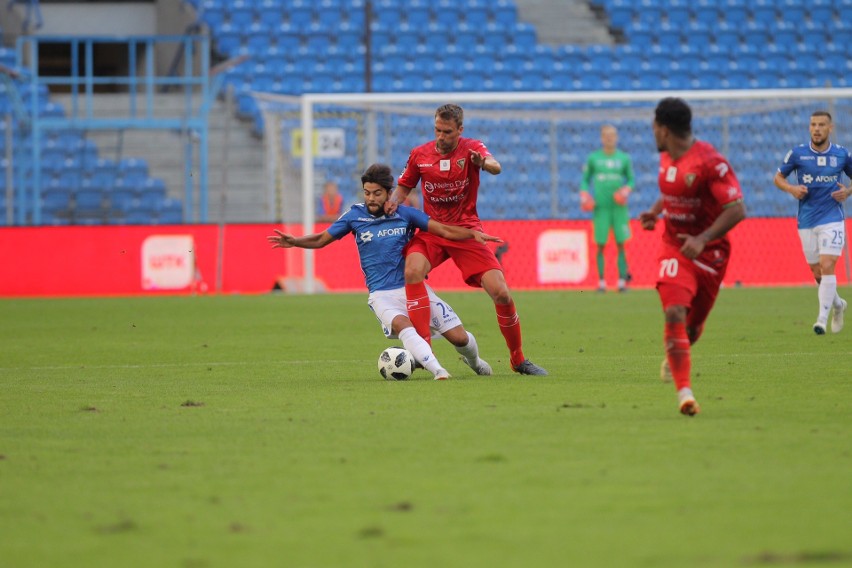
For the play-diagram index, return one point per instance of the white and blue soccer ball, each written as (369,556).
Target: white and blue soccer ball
(396,364)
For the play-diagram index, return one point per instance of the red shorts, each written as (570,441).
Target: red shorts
(473,259)
(691,283)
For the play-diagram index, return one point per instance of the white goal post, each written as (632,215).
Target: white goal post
(541,138)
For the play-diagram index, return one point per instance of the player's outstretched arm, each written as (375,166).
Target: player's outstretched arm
(397,196)
(285,240)
(455,233)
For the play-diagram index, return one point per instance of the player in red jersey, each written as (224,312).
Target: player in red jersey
(701,201)
(448,170)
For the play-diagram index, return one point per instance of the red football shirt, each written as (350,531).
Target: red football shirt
(450,182)
(695,188)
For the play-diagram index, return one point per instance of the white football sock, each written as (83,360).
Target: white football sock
(827,294)
(471,350)
(420,349)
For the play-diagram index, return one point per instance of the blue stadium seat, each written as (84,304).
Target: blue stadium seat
(822,15)
(272,17)
(620,17)
(679,16)
(88,202)
(524,36)
(138,217)
(447,16)
(300,18)
(170,212)
(506,15)
(708,15)
(241,17)
(733,15)
(228,42)
(122,199)
(56,198)
(765,15)
(729,40)
(213,16)
(329,18)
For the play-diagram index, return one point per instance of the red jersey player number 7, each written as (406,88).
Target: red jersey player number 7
(448,170)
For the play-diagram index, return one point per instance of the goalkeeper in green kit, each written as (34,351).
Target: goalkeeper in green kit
(609,174)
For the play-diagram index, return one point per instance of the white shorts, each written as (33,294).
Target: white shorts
(387,304)
(825,239)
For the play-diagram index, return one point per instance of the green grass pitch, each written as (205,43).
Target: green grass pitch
(243,431)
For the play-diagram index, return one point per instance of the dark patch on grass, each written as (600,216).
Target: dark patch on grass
(195,563)
(90,409)
(492,458)
(371,532)
(237,527)
(191,403)
(2,457)
(117,528)
(572,405)
(401,507)
(805,557)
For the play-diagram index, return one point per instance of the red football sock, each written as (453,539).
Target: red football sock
(510,327)
(418,309)
(677,354)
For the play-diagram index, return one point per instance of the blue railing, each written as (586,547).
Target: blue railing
(139,112)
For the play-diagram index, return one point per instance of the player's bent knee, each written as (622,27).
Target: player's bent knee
(675,314)
(457,336)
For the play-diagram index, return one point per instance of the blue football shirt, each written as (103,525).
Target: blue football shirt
(380,241)
(819,172)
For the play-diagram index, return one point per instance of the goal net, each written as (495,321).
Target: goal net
(541,139)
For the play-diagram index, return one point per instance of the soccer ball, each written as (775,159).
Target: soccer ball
(396,364)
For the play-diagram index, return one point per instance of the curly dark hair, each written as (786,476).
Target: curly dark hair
(380,174)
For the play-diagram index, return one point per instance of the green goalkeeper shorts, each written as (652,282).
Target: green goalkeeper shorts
(615,218)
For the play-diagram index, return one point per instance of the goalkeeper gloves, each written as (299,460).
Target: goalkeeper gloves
(587,202)
(620,196)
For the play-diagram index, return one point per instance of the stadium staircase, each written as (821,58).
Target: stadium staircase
(230,144)
(566,22)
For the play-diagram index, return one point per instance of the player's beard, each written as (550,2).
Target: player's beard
(376,210)
(444,147)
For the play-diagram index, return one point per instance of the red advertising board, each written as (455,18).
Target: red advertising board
(129,260)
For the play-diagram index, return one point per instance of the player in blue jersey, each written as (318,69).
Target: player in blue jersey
(819,167)
(381,239)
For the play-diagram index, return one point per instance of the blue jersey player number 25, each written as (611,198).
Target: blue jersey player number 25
(819,166)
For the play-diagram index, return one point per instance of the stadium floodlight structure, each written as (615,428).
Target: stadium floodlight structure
(541,138)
